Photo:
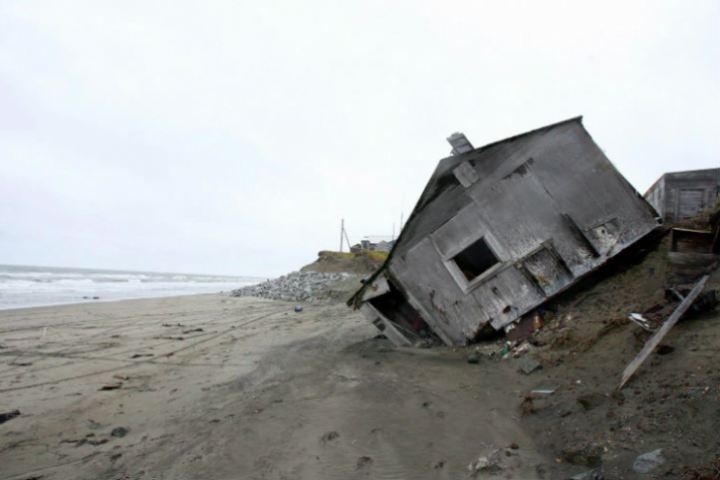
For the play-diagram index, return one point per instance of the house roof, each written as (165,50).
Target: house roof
(444,197)
(706,171)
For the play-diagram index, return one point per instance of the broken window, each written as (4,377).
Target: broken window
(475,260)
(403,316)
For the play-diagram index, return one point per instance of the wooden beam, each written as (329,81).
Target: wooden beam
(655,340)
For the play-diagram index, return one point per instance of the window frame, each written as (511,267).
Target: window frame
(468,285)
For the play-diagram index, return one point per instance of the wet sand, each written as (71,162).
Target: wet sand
(260,392)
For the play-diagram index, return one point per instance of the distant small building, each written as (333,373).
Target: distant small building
(498,231)
(680,195)
(366,244)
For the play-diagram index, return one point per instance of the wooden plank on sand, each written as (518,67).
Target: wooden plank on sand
(655,340)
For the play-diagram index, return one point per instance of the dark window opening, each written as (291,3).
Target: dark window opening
(476,259)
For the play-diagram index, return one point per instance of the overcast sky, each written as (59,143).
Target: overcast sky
(232,137)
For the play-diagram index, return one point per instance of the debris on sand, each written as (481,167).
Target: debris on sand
(138,355)
(473,358)
(655,340)
(192,330)
(329,436)
(528,365)
(112,386)
(487,464)
(589,475)
(119,432)
(543,392)
(648,462)
(6,417)
(364,461)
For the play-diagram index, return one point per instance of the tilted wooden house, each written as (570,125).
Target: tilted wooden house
(499,230)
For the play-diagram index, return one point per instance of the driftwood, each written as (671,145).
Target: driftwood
(655,340)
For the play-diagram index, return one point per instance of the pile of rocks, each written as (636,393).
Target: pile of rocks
(294,287)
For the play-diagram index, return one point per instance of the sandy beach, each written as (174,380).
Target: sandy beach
(210,386)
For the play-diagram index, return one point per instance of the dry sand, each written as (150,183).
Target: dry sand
(260,392)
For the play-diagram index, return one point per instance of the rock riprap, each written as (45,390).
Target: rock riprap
(294,287)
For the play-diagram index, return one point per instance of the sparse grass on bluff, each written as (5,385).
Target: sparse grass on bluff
(362,263)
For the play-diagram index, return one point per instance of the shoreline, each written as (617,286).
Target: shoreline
(86,302)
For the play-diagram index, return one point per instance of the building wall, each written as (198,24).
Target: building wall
(550,213)
(687,193)
(656,196)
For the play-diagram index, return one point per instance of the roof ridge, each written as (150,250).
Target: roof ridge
(515,137)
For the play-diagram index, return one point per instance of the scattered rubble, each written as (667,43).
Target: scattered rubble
(589,475)
(655,340)
(529,365)
(487,463)
(294,287)
(648,462)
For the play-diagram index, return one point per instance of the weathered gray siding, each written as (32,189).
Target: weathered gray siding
(680,195)
(553,209)
(656,195)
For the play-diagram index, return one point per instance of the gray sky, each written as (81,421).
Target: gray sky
(232,137)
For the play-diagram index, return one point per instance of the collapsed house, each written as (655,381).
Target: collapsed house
(680,195)
(498,231)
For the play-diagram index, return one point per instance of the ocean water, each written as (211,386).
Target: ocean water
(25,286)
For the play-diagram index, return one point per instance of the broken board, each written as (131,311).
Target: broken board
(655,340)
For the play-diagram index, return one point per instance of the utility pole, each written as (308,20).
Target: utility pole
(342,231)
(347,239)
